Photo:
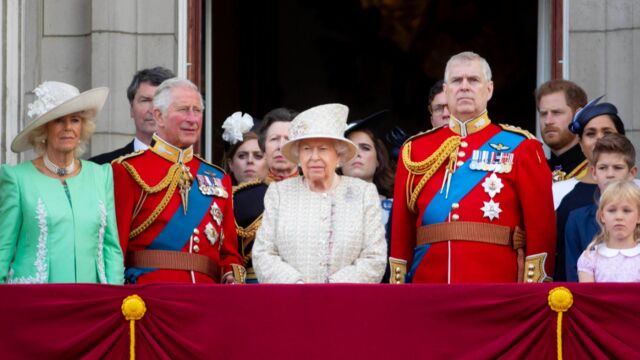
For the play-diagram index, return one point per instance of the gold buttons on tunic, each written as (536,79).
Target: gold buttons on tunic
(196,248)
(461,154)
(455,206)
(455,217)
(196,231)
(464,144)
(196,239)
(460,163)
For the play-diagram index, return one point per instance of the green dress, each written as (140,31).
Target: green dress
(52,233)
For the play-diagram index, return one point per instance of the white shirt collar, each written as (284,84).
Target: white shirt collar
(139,145)
(609,252)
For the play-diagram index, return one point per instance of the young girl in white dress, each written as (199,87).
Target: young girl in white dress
(614,254)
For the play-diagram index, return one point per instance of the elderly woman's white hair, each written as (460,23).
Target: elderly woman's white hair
(342,149)
(162,97)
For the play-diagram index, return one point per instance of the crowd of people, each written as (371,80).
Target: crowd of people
(311,197)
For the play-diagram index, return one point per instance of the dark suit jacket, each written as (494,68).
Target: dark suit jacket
(106,158)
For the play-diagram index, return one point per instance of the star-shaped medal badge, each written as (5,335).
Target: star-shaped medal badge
(491,209)
(492,185)
(211,233)
(216,213)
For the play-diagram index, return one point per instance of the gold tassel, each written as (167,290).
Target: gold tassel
(560,300)
(133,308)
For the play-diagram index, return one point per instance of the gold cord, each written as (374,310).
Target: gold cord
(169,182)
(427,167)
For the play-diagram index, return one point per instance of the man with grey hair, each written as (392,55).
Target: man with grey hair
(472,200)
(170,228)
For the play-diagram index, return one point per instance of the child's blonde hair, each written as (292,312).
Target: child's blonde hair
(619,190)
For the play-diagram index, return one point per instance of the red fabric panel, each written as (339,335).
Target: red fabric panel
(318,321)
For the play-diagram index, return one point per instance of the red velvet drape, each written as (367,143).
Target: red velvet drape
(318,322)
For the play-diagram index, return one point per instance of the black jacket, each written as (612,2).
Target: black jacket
(106,158)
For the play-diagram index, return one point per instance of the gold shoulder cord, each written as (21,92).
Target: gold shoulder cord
(248,235)
(426,167)
(170,181)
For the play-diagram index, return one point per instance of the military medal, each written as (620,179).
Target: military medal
(211,233)
(216,213)
(558,174)
(492,185)
(484,162)
(491,209)
(218,189)
(205,184)
(475,155)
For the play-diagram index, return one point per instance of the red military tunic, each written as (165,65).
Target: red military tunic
(523,199)
(207,228)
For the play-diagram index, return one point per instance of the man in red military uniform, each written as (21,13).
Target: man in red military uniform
(174,210)
(472,200)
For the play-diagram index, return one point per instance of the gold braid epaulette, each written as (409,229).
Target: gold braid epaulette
(248,235)
(426,167)
(170,182)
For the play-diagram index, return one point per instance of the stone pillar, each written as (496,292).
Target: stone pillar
(127,36)
(604,55)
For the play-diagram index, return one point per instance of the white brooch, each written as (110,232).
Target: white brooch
(211,233)
(492,185)
(235,126)
(491,209)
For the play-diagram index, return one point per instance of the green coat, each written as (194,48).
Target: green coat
(47,237)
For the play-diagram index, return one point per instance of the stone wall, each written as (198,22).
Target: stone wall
(87,43)
(604,55)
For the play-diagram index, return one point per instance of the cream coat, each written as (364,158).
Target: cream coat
(310,237)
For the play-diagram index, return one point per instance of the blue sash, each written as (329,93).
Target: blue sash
(464,180)
(176,233)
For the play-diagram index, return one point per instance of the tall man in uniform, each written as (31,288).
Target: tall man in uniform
(557,102)
(140,94)
(174,210)
(472,200)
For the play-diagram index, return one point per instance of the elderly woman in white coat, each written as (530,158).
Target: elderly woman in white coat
(320,227)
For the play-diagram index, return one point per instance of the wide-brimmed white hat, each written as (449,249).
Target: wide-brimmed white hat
(55,99)
(321,122)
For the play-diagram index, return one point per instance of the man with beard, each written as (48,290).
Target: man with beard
(140,94)
(557,101)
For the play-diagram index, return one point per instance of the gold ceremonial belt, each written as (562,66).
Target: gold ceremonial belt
(471,231)
(173,260)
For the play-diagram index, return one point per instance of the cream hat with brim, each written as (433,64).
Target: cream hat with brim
(321,122)
(56,99)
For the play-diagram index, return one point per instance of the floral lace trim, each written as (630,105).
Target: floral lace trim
(103,224)
(42,268)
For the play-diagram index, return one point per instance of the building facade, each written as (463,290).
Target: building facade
(91,43)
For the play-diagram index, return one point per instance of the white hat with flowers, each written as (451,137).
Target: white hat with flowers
(327,121)
(56,99)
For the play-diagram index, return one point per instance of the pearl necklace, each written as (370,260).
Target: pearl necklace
(58,170)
